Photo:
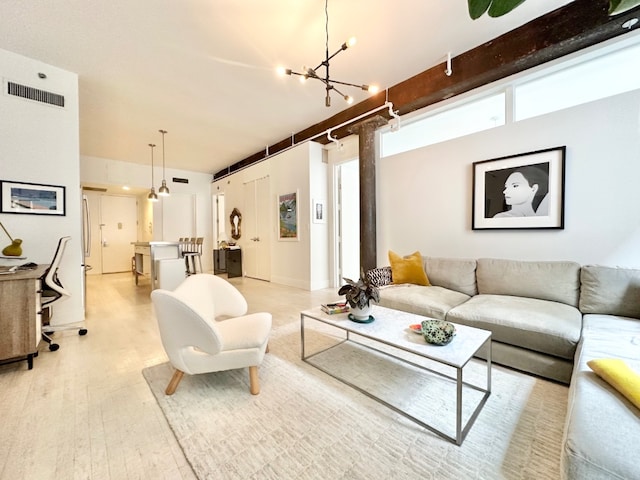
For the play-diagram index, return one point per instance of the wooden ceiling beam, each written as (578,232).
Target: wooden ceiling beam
(573,27)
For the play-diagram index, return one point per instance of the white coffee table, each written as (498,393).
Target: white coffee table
(390,328)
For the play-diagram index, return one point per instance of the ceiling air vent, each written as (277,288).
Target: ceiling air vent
(34,94)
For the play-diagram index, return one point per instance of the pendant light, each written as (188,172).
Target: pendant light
(163,190)
(329,83)
(152,197)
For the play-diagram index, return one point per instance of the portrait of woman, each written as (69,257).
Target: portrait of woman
(522,191)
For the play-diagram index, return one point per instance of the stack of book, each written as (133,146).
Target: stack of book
(338,307)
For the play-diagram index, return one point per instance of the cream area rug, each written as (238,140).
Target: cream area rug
(306,425)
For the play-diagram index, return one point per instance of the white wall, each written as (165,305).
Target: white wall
(39,143)
(103,171)
(290,171)
(424,196)
(319,232)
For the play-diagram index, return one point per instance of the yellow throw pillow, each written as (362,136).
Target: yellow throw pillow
(408,269)
(618,374)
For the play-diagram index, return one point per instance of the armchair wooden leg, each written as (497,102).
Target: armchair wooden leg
(253,380)
(175,380)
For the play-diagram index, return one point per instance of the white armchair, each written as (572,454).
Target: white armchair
(204,329)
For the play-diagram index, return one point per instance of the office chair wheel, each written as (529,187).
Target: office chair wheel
(53,347)
(82,331)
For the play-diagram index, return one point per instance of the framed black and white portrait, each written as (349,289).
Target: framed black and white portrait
(524,191)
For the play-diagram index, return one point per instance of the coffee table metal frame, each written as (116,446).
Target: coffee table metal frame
(466,344)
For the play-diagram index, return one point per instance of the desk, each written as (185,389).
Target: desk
(147,253)
(20,315)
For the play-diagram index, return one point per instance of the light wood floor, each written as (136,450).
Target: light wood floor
(85,411)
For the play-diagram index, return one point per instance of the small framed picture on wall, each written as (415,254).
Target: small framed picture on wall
(31,198)
(318,215)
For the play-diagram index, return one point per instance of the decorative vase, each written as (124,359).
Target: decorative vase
(361,313)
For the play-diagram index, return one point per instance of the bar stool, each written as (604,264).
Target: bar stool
(193,251)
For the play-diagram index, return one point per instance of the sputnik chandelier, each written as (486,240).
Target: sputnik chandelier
(329,83)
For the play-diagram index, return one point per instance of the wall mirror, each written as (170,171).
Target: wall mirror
(236,219)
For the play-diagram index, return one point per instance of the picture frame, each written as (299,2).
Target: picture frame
(318,212)
(288,220)
(523,191)
(32,198)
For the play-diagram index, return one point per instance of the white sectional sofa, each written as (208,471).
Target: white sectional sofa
(549,319)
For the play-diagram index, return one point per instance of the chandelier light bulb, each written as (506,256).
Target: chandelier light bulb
(281,71)
(373,89)
(351,42)
(348,99)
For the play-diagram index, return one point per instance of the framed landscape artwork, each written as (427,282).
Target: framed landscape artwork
(288,216)
(524,191)
(31,198)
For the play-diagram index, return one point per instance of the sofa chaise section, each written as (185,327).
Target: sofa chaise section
(602,426)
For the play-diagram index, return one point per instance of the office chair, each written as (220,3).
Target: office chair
(53,291)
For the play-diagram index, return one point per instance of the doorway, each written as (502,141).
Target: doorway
(118,229)
(256,247)
(348,220)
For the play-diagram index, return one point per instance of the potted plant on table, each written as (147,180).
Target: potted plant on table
(359,295)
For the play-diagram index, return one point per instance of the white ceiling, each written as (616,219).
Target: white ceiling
(204,69)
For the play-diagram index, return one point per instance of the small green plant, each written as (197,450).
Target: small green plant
(359,293)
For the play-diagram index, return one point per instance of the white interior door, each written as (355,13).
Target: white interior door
(256,260)
(118,222)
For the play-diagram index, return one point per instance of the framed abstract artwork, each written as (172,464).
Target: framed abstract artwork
(524,191)
(31,198)
(288,216)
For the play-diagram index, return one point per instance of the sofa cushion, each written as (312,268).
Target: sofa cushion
(380,277)
(408,269)
(547,327)
(617,373)
(609,290)
(457,274)
(431,301)
(554,281)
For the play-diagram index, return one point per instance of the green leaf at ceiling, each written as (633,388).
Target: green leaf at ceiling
(477,8)
(617,7)
(496,8)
